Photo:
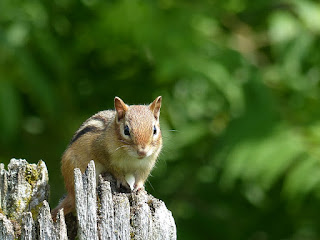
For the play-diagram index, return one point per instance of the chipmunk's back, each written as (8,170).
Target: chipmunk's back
(98,122)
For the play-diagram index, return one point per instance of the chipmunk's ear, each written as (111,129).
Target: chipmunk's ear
(120,107)
(155,107)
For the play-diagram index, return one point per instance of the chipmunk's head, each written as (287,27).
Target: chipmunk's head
(139,127)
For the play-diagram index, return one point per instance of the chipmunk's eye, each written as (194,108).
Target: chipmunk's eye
(126,130)
(154,130)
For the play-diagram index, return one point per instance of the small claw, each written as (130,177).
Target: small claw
(138,186)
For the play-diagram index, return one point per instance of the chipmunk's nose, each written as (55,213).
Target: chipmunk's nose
(142,152)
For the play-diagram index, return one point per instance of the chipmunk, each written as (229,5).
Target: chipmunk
(124,142)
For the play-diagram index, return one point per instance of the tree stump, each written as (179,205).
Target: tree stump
(102,212)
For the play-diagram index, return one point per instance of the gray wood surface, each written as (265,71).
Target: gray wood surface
(102,211)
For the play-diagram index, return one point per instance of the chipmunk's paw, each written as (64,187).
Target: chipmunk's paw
(138,186)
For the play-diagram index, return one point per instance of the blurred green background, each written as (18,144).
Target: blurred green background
(241,101)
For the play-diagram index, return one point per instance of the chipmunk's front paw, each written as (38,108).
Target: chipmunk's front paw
(138,186)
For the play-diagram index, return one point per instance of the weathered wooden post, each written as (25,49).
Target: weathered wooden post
(102,212)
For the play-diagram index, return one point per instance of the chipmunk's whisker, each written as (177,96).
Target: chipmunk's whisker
(124,142)
(122,146)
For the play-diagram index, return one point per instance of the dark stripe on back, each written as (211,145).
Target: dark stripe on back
(82,132)
(100,118)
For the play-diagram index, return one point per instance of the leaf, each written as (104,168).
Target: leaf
(263,160)
(303,178)
(309,12)
(283,27)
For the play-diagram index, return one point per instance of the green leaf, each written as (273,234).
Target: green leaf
(263,160)
(309,12)
(303,178)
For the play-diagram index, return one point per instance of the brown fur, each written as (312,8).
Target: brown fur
(101,139)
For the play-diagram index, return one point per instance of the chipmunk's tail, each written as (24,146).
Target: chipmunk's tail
(66,203)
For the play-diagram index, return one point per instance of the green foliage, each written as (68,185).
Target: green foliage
(240,84)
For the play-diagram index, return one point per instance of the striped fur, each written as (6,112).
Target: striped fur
(94,124)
